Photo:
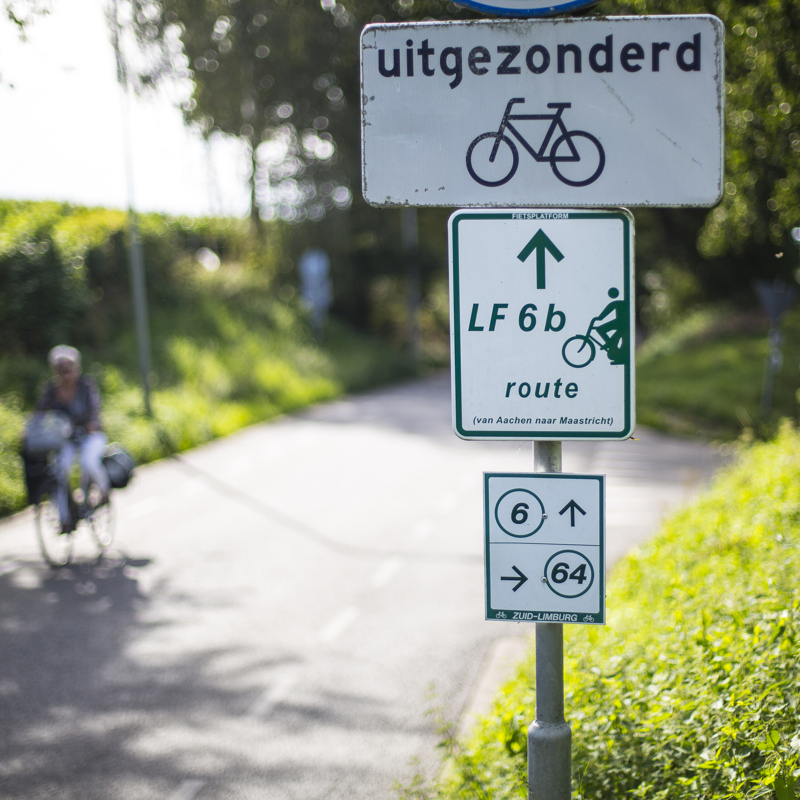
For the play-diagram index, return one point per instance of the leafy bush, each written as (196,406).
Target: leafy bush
(227,350)
(706,374)
(12,487)
(64,269)
(690,691)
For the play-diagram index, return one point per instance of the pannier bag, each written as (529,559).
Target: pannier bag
(46,431)
(38,478)
(119,465)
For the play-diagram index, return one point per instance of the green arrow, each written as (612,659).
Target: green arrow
(540,243)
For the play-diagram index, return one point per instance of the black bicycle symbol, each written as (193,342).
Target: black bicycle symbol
(579,350)
(570,147)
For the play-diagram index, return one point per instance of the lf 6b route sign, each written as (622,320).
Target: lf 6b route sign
(576,112)
(545,547)
(541,316)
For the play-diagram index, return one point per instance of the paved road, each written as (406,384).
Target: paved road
(282,608)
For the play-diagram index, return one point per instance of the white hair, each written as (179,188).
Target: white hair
(63,352)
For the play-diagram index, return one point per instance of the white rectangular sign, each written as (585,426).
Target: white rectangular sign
(545,547)
(541,324)
(568,112)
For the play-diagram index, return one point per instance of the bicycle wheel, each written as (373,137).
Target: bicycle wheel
(576,155)
(578,351)
(56,547)
(497,170)
(100,516)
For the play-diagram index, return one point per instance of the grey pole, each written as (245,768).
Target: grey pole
(136,266)
(549,736)
(136,260)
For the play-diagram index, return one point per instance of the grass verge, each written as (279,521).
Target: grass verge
(220,368)
(690,691)
(705,376)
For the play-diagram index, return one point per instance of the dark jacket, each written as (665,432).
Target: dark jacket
(84,408)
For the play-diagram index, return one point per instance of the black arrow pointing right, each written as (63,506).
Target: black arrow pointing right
(519,577)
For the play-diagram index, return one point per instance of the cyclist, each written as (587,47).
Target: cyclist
(612,330)
(78,397)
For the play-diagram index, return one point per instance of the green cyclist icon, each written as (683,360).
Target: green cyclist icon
(608,331)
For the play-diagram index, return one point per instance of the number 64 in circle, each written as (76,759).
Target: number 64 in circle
(569,573)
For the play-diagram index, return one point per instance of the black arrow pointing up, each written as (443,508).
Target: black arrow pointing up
(572,507)
(542,245)
(519,577)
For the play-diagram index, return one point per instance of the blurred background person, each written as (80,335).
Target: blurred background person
(77,396)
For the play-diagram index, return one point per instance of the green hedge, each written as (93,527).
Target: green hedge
(230,347)
(691,690)
(64,269)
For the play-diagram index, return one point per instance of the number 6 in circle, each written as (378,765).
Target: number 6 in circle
(519,513)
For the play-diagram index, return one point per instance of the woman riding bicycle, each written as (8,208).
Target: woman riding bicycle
(77,396)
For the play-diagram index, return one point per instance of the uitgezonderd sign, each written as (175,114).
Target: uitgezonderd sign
(586,112)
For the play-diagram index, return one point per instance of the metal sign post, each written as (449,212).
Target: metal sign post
(565,114)
(549,735)
(545,562)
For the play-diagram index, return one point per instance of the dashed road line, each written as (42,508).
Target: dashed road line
(187,790)
(339,624)
(277,692)
(387,570)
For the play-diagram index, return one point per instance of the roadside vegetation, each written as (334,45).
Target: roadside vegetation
(690,691)
(231,346)
(703,375)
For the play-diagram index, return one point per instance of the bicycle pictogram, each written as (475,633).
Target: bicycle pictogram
(607,331)
(576,157)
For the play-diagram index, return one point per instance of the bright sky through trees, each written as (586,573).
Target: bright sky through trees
(61,136)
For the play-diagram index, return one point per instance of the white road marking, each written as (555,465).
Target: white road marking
(339,624)
(277,692)
(187,790)
(143,507)
(387,570)
(8,566)
(26,579)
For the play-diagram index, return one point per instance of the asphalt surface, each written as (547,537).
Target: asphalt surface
(282,608)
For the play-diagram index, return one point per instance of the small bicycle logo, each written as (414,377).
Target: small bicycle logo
(501,615)
(569,148)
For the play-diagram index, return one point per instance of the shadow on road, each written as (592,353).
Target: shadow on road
(85,696)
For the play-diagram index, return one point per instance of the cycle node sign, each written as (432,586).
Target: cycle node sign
(545,547)
(578,112)
(541,316)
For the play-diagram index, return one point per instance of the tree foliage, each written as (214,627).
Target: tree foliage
(283,75)
(745,235)
(268,73)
